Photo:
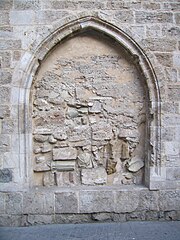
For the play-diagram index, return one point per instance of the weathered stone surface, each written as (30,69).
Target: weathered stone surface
(38,203)
(40,219)
(169,200)
(126,201)
(89,95)
(66,202)
(5,175)
(63,165)
(4,18)
(12,220)
(73,218)
(90,116)
(153,17)
(94,176)
(6,4)
(135,164)
(48,179)
(27,4)
(173,173)
(85,160)
(14,203)
(66,153)
(102,217)
(40,138)
(96,201)
(148,201)
(65,178)
(2,203)
(4,95)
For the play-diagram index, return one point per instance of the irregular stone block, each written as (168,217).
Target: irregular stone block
(46,148)
(66,153)
(42,167)
(80,133)
(52,139)
(96,201)
(94,176)
(125,150)
(5,175)
(66,202)
(135,164)
(96,107)
(40,138)
(27,4)
(60,135)
(85,160)
(40,219)
(72,113)
(101,131)
(48,179)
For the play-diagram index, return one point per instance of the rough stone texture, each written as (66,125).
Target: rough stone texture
(87,110)
(96,201)
(5,175)
(38,203)
(97,176)
(14,203)
(66,202)
(89,105)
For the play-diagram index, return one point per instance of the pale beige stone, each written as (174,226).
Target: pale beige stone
(94,176)
(66,153)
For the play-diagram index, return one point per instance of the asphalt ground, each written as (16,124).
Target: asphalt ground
(95,231)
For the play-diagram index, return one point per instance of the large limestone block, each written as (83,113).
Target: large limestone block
(65,153)
(66,202)
(94,176)
(96,201)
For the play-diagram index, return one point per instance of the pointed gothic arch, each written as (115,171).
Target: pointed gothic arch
(30,63)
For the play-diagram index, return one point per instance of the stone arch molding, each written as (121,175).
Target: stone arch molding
(24,75)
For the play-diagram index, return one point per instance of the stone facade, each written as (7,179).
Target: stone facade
(89,111)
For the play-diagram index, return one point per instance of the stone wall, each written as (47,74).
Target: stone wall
(89,95)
